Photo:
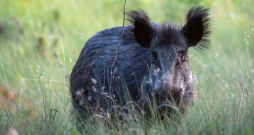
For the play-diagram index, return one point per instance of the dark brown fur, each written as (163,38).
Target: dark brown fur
(152,63)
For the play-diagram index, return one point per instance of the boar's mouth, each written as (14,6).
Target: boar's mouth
(167,107)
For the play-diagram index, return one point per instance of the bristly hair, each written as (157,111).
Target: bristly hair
(167,33)
(143,30)
(203,12)
(137,13)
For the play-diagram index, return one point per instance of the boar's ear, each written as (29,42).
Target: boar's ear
(142,28)
(197,28)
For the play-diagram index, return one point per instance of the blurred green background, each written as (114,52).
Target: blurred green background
(38,37)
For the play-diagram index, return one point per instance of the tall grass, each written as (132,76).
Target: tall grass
(34,91)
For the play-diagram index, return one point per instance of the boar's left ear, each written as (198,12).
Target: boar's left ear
(197,28)
(143,30)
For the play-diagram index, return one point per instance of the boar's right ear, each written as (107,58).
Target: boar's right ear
(142,28)
(197,28)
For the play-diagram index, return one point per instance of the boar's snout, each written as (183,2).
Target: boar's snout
(169,97)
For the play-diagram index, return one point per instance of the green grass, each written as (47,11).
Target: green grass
(35,98)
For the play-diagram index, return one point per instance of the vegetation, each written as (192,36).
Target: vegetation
(39,38)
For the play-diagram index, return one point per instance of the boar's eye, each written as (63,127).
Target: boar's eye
(155,56)
(182,57)
(155,59)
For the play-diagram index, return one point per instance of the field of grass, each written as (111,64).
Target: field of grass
(38,38)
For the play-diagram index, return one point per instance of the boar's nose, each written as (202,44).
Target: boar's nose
(168,97)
